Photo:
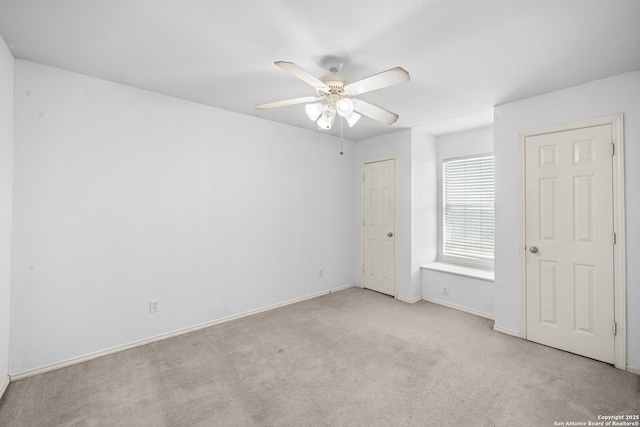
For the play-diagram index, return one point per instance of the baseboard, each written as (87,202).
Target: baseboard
(409,300)
(331,291)
(460,308)
(507,331)
(102,353)
(3,386)
(633,370)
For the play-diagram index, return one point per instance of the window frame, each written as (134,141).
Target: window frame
(487,264)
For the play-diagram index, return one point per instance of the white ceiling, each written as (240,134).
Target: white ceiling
(463,56)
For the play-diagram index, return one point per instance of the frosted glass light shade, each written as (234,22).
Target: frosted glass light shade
(344,107)
(326,120)
(314,110)
(352,119)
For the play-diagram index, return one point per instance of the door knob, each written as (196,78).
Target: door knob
(390,234)
(533,249)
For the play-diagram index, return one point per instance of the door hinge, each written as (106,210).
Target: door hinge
(363,268)
(362,177)
(615,328)
(363,222)
(613,238)
(613,149)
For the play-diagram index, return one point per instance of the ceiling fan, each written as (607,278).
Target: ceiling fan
(334,96)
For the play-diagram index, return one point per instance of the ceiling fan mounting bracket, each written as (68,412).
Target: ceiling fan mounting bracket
(333,64)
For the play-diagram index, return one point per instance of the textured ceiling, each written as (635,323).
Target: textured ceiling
(463,56)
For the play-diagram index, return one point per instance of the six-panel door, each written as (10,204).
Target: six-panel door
(378,216)
(569,238)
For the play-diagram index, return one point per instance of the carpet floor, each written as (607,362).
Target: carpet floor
(352,358)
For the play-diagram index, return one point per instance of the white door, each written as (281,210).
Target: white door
(378,222)
(569,239)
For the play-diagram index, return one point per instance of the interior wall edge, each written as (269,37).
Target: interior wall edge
(507,331)
(3,386)
(7,111)
(409,300)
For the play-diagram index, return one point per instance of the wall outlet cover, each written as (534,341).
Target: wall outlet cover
(154,306)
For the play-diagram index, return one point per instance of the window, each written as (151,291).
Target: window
(467,218)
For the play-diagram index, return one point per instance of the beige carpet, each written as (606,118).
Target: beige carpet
(353,358)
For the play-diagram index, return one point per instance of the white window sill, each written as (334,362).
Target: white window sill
(461,270)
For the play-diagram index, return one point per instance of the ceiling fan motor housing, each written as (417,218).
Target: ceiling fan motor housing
(335,83)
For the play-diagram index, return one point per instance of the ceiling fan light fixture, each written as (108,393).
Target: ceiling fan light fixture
(344,107)
(314,110)
(352,119)
(326,120)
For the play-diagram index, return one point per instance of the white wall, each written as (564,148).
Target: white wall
(6,174)
(464,291)
(424,202)
(414,151)
(619,94)
(123,196)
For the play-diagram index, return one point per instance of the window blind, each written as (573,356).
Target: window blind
(468,207)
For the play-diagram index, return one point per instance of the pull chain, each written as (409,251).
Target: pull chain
(341,152)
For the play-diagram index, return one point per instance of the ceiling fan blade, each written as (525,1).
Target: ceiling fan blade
(373,111)
(378,81)
(298,72)
(286,102)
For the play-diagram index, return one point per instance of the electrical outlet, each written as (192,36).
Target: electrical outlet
(154,306)
(320,273)
(445,291)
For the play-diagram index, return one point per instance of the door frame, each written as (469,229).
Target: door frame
(619,248)
(395,218)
